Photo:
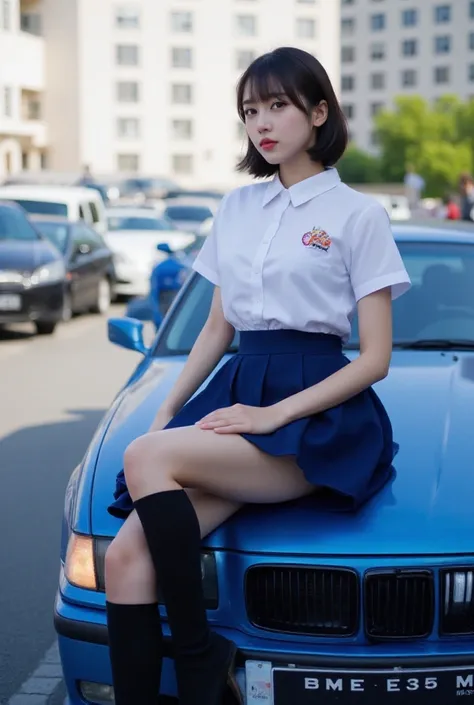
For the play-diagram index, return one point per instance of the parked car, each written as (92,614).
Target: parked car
(189,213)
(133,234)
(32,273)
(71,202)
(89,262)
(396,205)
(369,607)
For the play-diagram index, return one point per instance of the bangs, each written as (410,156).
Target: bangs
(269,77)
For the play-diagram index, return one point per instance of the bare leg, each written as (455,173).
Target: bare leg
(130,576)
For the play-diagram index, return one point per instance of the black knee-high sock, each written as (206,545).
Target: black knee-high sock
(136,652)
(173,534)
(202,657)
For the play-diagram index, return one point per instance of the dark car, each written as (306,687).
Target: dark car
(90,272)
(32,273)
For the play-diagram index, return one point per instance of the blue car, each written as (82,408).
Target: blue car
(327,608)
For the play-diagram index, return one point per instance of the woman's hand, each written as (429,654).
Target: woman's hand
(243,419)
(162,418)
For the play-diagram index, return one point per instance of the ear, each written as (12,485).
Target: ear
(319,114)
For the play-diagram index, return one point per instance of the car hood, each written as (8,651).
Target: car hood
(427,509)
(25,256)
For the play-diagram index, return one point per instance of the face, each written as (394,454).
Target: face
(279,130)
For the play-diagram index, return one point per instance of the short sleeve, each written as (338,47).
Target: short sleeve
(207,262)
(374,260)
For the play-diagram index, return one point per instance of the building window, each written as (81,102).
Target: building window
(471,9)
(409,47)
(349,110)
(128,162)
(182,93)
(31,23)
(409,18)
(441,74)
(127,17)
(128,92)
(442,13)
(182,129)
(182,22)
(377,22)
(442,45)
(347,83)
(377,51)
(128,128)
(126,54)
(6,15)
(181,58)
(243,58)
(182,163)
(246,25)
(377,81)
(470,40)
(347,26)
(409,78)
(376,108)
(374,138)
(305,28)
(347,55)
(8,102)
(348,2)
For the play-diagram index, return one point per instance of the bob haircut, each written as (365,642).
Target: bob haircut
(302,78)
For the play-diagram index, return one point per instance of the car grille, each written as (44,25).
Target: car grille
(399,604)
(457,601)
(303,600)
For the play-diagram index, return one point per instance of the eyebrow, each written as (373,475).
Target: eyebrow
(280,94)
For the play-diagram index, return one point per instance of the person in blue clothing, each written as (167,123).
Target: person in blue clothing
(292,259)
(166,280)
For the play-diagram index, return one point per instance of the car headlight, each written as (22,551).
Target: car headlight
(46,274)
(85,567)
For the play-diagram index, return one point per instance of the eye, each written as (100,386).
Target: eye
(249,111)
(279,104)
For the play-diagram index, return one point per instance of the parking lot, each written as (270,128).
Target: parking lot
(54,392)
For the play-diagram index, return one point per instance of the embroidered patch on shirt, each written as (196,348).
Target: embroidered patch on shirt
(317,237)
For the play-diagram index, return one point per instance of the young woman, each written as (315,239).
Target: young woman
(288,416)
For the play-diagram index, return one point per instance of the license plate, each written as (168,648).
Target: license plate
(10,302)
(444,686)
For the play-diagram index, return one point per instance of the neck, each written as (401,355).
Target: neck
(299,169)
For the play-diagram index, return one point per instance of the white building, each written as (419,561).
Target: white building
(149,85)
(23,136)
(393,47)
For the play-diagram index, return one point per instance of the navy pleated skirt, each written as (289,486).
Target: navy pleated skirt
(346,451)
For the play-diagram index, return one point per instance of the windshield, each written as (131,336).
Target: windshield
(14,226)
(439,306)
(57,233)
(42,207)
(196,213)
(125,222)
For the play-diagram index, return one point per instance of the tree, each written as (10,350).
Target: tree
(359,167)
(437,140)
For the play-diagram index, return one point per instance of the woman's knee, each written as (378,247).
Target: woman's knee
(151,448)
(125,558)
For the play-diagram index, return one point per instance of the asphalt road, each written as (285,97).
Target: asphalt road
(53,392)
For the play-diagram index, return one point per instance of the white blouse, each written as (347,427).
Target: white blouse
(300,258)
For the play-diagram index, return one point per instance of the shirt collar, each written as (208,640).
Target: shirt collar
(304,190)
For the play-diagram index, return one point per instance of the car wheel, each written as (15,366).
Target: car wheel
(45,327)
(104,295)
(67,308)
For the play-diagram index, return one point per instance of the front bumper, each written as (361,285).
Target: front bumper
(83,644)
(40,303)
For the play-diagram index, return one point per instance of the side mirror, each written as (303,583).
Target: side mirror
(127,333)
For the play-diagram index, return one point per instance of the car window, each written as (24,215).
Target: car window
(95,212)
(136,223)
(15,226)
(82,215)
(42,207)
(440,303)
(57,233)
(196,213)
